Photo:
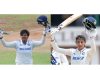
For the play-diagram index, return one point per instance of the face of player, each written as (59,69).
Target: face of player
(80,44)
(24,37)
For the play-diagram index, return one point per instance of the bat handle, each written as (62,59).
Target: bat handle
(60,27)
(54,30)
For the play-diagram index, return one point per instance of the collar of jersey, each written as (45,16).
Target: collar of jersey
(22,42)
(81,50)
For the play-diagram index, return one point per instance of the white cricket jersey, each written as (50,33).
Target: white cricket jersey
(24,52)
(79,57)
(58,58)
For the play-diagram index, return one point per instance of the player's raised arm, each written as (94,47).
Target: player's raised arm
(92,41)
(39,42)
(90,25)
(42,20)
(5,43)
(56,47)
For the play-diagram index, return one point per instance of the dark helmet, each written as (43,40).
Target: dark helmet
(89,23)
(42,20)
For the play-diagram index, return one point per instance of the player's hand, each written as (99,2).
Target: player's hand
(91,33)
(46,31)
(1,34)
(52,37)
(54,30)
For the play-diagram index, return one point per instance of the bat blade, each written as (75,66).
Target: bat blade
(68,21)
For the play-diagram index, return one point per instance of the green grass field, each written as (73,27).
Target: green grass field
(8,57)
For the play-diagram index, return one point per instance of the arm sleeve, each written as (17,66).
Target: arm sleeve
(8,44)
(92,50)
(60,50)
(39,42)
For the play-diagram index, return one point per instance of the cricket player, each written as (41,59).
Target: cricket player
(24,46)
(81,55)
(58,58)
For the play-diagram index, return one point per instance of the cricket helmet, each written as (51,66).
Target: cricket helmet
(42,20)
(89,23)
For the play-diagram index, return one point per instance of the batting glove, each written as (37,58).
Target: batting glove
(52,37)
(54,30)
(91,33)
(1,34)
(46,31)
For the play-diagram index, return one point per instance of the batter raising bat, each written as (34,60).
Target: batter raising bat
(81,55)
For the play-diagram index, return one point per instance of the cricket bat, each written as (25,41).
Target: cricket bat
(66,22)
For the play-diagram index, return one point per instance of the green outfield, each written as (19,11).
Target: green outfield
(8,57)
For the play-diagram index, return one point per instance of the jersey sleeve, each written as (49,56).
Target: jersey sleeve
(8,44)
(38,43)
(92,50)
(60,50)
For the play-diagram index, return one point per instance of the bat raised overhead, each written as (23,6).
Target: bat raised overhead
(66,22)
